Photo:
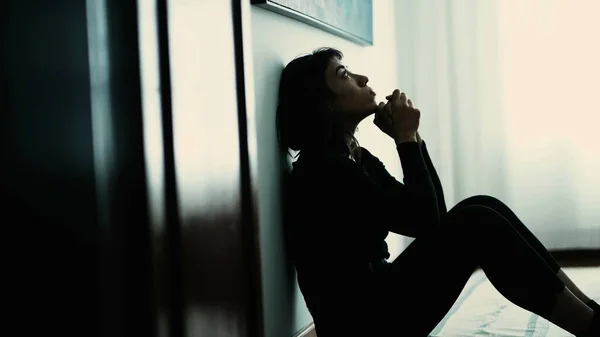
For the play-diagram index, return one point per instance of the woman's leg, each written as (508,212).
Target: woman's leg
(507,213)
(433,270)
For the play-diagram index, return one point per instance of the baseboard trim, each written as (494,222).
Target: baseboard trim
(577,257)
(307,331)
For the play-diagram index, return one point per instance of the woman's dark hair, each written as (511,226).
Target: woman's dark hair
(305,120)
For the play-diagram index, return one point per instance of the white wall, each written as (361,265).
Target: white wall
(276,40)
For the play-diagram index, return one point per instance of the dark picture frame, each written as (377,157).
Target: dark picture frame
(350,19)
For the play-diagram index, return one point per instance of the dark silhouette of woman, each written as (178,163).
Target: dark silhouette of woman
(341,203)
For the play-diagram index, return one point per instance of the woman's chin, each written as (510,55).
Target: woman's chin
(372,108)
(363,111)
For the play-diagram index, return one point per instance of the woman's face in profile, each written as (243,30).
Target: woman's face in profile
(353,99)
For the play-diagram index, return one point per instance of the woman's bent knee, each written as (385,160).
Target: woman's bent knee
(473,218)
(484,200)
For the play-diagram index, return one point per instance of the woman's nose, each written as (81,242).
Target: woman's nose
(362,80)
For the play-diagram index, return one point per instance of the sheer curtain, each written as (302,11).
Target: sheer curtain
(509,96)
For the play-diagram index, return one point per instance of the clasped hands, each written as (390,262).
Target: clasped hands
(398,118)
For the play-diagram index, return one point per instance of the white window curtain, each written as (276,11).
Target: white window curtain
(509,91)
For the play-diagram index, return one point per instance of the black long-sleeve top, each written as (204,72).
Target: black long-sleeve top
(339,212)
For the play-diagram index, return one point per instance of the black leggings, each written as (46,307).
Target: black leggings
(423,283)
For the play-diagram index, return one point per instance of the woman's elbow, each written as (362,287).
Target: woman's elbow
(430,217)
(429,208)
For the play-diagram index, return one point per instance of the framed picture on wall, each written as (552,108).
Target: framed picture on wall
(350,19)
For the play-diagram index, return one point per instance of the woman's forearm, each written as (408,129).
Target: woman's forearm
(418,182)
(441,201)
